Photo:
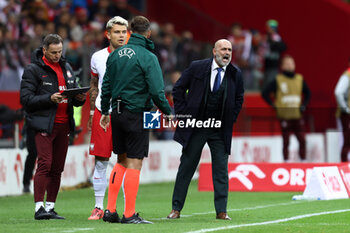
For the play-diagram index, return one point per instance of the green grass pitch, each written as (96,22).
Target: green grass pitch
(250,212)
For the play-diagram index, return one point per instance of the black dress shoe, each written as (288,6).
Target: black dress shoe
(54,215)
(42,214)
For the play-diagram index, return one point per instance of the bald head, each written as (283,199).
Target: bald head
(222,42)
(222,52)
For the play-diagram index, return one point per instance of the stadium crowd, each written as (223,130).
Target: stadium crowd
(81,24)
(23,25)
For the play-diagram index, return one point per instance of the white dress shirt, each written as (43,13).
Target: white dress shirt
(214,72)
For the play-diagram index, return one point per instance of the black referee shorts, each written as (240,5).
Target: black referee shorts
(128,134)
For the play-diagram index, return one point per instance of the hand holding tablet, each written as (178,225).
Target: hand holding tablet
(70,93)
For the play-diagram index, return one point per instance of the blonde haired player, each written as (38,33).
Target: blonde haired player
(101,142)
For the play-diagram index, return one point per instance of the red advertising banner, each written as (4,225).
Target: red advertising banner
(345,174)
(263,176)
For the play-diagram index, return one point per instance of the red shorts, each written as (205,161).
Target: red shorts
(101,143)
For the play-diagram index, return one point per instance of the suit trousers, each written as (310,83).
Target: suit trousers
(52,151)
(345,122)
(189,161)
(295,126)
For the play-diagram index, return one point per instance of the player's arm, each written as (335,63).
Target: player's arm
(106,96)
(93,95)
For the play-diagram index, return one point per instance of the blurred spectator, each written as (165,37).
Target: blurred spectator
(110,8)
(80,4)
(241,41)
(10,7)
(138,4)
(7,119)
(166,55)
(63,32)
(36,40)
(288,89)
(274,47)
(155,34)
(342,95)
(256,60)
(63,19)
(120,8)
(73,52)
(169,29)
(82,19)
(50,28)
(38,10)
(87,49)
(11,61)
(101,7)
(186,51)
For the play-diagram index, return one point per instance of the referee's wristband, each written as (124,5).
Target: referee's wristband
(92,112)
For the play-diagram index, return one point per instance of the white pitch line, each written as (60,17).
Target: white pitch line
(270,222)
(234,210)
(78,229)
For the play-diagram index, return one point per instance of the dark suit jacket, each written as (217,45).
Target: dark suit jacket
(189,94)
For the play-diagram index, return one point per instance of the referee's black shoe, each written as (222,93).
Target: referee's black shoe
(41,214)
(111,217)
(135,219)
(54,215)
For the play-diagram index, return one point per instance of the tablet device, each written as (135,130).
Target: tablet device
(70,93)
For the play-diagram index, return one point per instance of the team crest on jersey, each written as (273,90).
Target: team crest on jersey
(126,52)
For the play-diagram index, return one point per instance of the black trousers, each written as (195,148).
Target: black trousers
(345,122)
(189,161)
(31,157)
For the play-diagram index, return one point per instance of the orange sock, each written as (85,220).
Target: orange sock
(115,182)
(131,186)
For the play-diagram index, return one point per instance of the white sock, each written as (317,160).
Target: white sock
(100,182)
(99,202)
(49,206)
(38,205)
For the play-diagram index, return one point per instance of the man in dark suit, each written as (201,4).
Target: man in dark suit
(210,89)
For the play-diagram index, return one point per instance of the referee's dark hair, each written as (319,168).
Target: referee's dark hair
(51,39)
(140,25)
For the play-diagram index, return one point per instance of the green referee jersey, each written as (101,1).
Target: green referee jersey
(133,73)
